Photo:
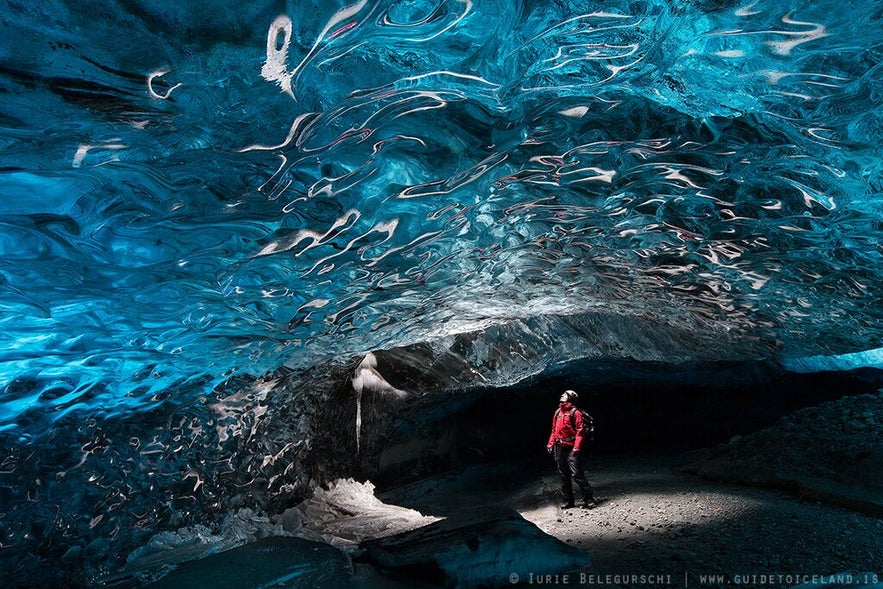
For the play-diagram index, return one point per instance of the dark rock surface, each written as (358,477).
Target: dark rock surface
(832,452)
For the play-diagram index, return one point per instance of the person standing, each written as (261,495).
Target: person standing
(566,445)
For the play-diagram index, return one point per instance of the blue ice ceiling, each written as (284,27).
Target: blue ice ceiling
(194,190)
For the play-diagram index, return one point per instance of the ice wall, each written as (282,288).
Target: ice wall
(225,188)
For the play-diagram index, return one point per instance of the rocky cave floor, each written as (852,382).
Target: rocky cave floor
(803,497)
(813,509)
(653,519)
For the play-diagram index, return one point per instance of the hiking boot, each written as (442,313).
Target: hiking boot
(567,505)
(588,504)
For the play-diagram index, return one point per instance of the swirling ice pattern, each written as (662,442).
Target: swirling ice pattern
(193,192)
(250,188)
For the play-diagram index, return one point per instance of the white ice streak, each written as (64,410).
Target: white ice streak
(747,10)
(387,228)
(601,175)
(343,223)
(84,148)
(153,93)
(817,31)
(455,182)
(292,133)
(275,68)
(576,112)
(773,77)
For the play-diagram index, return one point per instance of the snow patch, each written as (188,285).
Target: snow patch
(348,512)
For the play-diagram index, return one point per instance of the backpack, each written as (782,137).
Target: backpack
(588,424)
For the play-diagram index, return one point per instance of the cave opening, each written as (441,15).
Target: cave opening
(653,423)
(637,410)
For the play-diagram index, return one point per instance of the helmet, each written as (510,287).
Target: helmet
(569,397)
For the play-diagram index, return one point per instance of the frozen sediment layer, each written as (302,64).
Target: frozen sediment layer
(507,352)
(293,546)
(272,562)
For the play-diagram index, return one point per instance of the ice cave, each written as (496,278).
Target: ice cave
(290,290)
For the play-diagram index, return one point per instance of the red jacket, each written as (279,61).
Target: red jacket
(567,430)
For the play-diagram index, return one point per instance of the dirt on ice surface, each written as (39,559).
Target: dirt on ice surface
(657,526)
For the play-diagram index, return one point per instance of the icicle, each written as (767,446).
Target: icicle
(358,417)
(366,377)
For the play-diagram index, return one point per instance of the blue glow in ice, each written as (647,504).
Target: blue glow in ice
(192,193)
(865,359)
(226,189)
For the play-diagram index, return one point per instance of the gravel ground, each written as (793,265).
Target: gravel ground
(656,526)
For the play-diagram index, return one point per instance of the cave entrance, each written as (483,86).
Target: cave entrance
(637,409)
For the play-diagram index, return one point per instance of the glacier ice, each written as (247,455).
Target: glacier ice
(237,188)
(863,359)
(198,195)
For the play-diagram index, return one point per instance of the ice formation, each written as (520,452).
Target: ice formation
(196,195)
(348,512)
(366,378)
(236,188)
(864,359)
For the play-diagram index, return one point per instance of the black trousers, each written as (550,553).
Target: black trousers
(570,467)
